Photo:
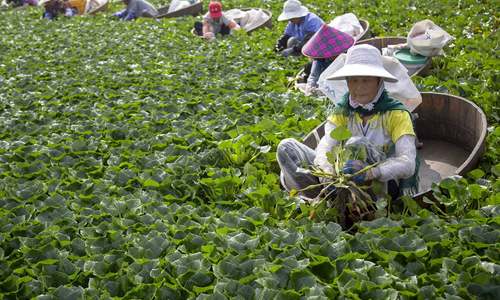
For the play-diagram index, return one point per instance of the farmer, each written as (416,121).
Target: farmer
(53,8)
(69,8)
(302,24)
(20,3)
(215,22)
(323,47)
(375,120)
(136,9)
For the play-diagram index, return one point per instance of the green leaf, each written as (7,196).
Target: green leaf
(151,183)
(340,133)
(69,293)
(301,279)
(496,169)
(477,173)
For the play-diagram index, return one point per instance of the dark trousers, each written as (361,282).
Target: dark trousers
(198,29)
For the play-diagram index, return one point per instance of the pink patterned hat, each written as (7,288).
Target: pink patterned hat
(327,42)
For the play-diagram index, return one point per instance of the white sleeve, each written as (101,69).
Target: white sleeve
(400,166)
(325,145)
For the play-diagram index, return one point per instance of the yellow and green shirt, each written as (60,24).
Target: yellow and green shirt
(382,129)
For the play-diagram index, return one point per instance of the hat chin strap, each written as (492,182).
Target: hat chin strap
(369,106)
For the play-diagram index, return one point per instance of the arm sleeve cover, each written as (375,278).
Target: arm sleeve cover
(402,165)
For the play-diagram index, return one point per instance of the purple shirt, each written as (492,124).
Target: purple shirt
(311,24)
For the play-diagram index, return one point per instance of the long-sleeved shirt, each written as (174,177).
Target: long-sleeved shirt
(311,24)
(383,129)
(136,9)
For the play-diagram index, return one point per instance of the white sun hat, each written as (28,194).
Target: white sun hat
(363,60)
(293,9)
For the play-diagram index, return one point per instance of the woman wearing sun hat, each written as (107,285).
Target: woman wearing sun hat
(214,22)
(323,47)
(383,125)
(302,24)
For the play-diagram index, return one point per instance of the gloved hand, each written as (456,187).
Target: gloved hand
(120,14)
(287,52)
(68,12)
(281,43)
(130,16)
(354,166)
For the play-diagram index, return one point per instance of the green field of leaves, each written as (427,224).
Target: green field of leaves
(138,162)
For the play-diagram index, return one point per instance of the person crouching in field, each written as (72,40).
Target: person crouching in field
(215,22)
(380,123)
(302,25)
(136,9)
(21,3)
(53,8)
(323,48)
(70,8)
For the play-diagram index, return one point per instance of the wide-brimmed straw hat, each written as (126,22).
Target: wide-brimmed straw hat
(293,9)
(363,60)
(327,42)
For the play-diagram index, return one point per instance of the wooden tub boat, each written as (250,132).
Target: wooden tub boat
(383,42)
(268,22)
(453,132)
(366,32)
(193,10)
(95,6)
(379,43)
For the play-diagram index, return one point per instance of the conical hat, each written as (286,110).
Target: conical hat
(327,42)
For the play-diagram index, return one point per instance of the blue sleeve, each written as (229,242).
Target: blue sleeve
(121,14)
(129,16)
(289,30)
(313,25)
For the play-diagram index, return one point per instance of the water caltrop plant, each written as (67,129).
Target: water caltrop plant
(341,199)
(138,162)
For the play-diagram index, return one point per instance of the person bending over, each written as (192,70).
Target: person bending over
(302,25)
